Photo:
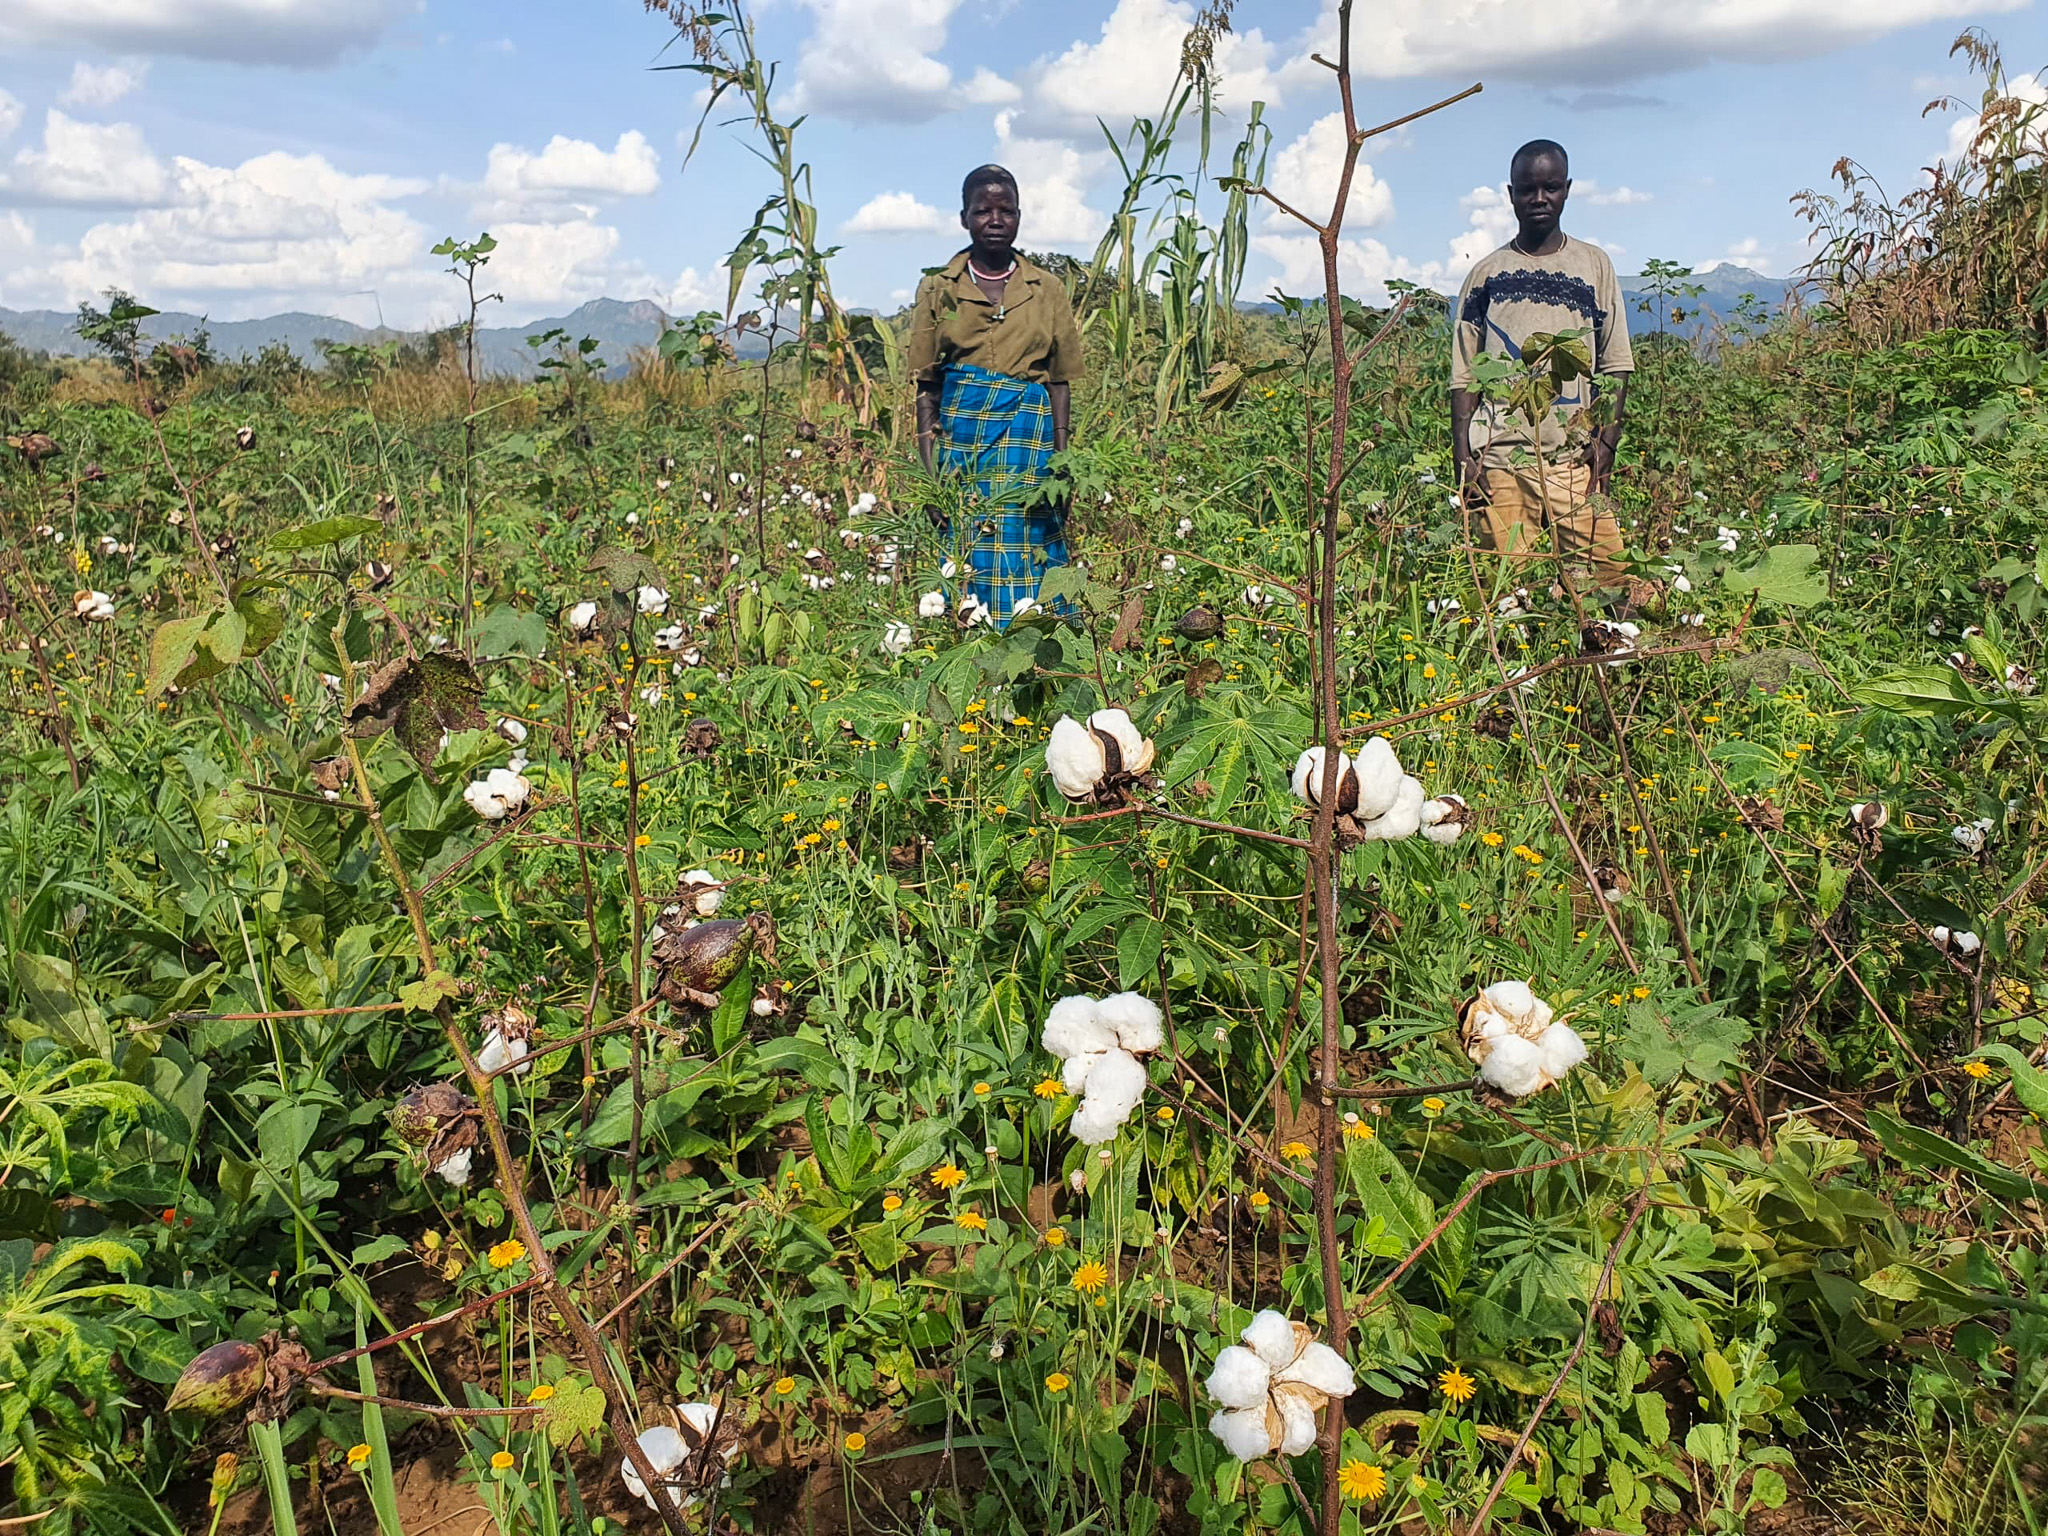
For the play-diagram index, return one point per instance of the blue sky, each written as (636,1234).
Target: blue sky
(240,157)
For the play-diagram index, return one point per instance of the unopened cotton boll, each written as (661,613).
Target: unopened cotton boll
(1514,1066)
(1074,1027)
(1271,1337)
(1379,779)
(1240,1377)
(1242,1431)
(1561,1049)
(1135,1018)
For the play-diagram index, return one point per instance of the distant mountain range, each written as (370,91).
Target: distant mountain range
(619,326)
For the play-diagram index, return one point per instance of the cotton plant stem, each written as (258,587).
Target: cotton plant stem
(588,1342)
(481,1304)
(433,1410)
(1635,1214)
(1656,846)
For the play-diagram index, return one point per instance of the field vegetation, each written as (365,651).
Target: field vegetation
(538,940)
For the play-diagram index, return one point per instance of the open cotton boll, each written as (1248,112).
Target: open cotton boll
(1074,758)
(652,601)
(1116,1082)
(1132,747)
(583,618)
(500,1051)
(1513,998)
(455,1167)
(703,890)
(1379,778)
(1272,1338)
(1240,1378)
(1311,773)
(1321,1367)
(664,1449)
(1298,1414)
(1097,1121)
(1075,1069)
(1444,819)
(1561,1049)
(1515,1067)
(1136,1020)
(1242,1431)
(897,637)
(1074,1026)
(1402,819)
(1968,943)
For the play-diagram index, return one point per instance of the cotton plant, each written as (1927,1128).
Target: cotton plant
(1273,1387)
(652,602)
(1377,800)
(667,1449)
(92,607)
(498,794)
(1516,1040)
(897,638)
(1959,941)
(1097,761)
(1098,1042)
(505,1041)
(1972,836)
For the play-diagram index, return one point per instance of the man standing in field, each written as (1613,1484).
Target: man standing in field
(1548,496)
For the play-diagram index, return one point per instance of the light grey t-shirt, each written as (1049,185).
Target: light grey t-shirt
(1509,297)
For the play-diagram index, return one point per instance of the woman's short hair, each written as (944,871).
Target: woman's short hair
(985,176)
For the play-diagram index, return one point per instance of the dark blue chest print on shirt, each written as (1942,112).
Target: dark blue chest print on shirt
(1559,289)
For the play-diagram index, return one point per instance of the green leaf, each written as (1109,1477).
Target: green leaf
(170,650)
(27,1213)
(1654,1415)
(2029,1082)
(1830,885)
(1697,1040)
(1720,1374)
(1784,578)
(1917,1147)
(378,1249)
(423,994)
(1921,692)
(326,532)
(224,636)
(1137,950)
(509,631)
(786,1053)
(577,1408)
(626,569)
(420,697)
(1767,1488)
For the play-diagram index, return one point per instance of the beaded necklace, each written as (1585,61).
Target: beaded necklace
(994,277)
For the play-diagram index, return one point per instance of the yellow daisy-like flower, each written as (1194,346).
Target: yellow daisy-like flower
(540,1394)
(1978,1069)
(1048,1087)
(501,1461)
(1433,1105)
(856,1443)
(831,824)
(892,1204)
(1090,1277)
(358,1455)
(1055,1237)
(1361,1480)
(981,1090)
(642,840)
(1641,994)
(1356,1129)
(785,1385)
(946,1176)
(1456,1385)
(1165,1113)
(974,1221)
(504,1255)
(1260,1199)
(1296,1151)
(1491,839)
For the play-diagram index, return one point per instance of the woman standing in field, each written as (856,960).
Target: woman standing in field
(994,347)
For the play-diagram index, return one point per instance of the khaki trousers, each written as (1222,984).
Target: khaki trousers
(1527,512)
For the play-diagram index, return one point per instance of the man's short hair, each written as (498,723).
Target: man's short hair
(986,176)
(1536,149)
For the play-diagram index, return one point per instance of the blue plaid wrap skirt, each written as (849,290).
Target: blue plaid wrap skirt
(996,432)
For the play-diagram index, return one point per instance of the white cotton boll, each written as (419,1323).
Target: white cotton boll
(1271,1337)
(1311,772)
(1300,1420)
(664,1449)
(1075,1069)
(652,601)
(1132,746)
(1513,998)
(482,801)
(1970,838)
(512,730)
(500,1051)
(508,786)
(898,637)
(1240,1378)
(1443,819)
(706,895)
(1136,1020)
(1096,1122)
(583,618)
(1324,1369)
(1403,819)
(1379,778)
(1115,1084)
(455,1167)
(1968,943)
(1940,935)
(1074,758)
(1074,1027)
(1514,1066)
(1242,1431)
(1561,1049)
(1168,564)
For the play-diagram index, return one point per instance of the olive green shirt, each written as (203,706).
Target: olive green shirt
(1031,336)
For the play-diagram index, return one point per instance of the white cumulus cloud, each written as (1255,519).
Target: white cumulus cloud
(895,213)
(1597,42)
(97,85)
(1131,67)
(1305,176)
(92,165)
(1605,197)
(1489,224)
(565,174)
(10,114)
(875,59)
(1962,133)
(295,32)
(1052,178)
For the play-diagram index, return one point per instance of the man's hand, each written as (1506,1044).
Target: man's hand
(1600,459)
(1472,486)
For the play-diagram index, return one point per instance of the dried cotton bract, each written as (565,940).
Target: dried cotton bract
(1099,760)
(1516,1042)
(1273,1388)
(1098,1041)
